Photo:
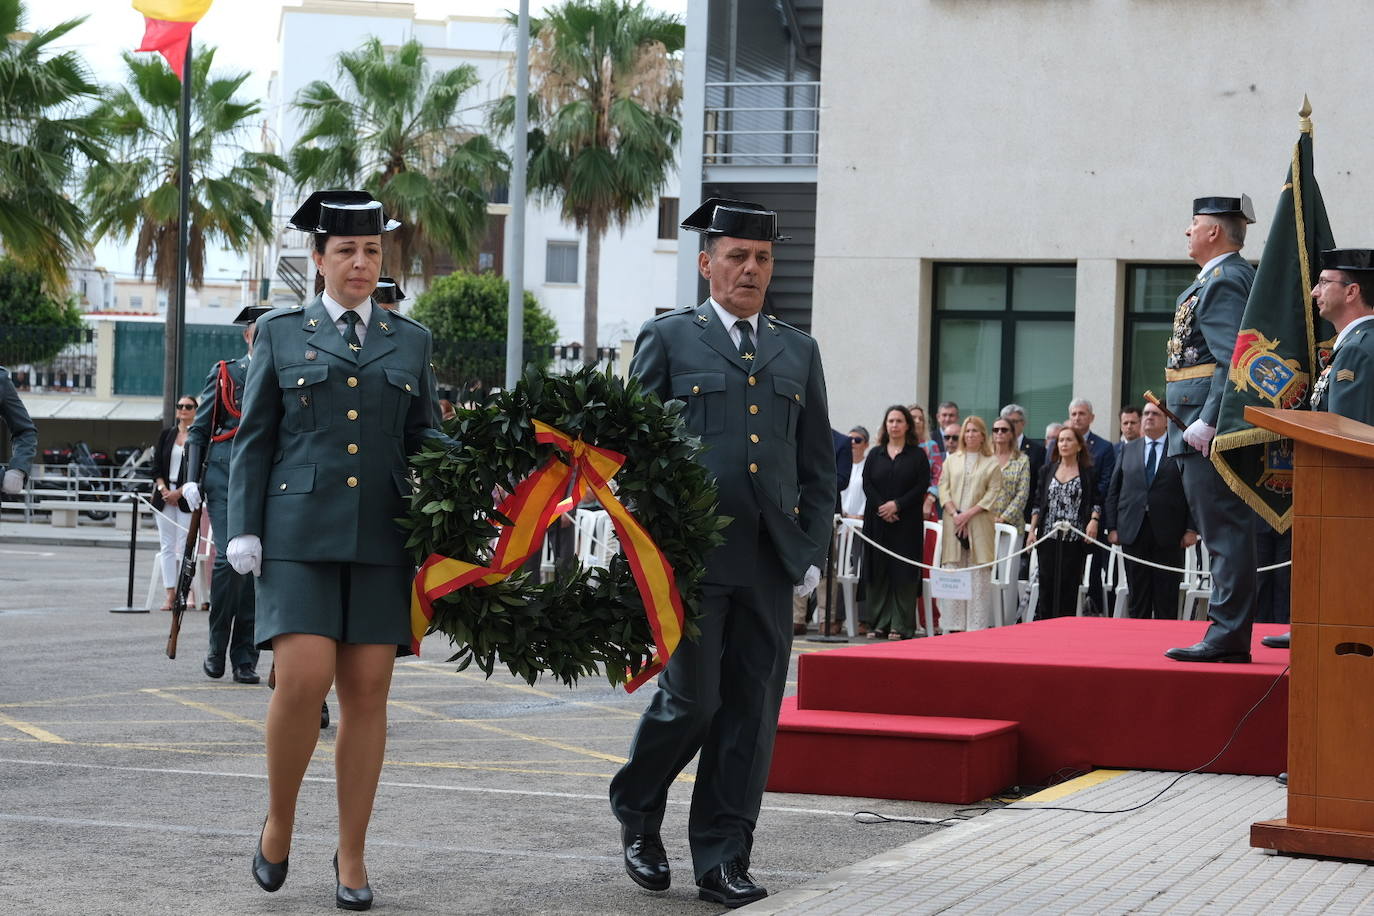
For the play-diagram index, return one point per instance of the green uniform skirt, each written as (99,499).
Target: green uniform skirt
(347,602)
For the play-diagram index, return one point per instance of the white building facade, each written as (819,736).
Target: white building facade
(637,267)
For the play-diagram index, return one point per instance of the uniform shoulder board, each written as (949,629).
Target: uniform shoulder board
(684,310)
(406,319)
(775,320)
(1216,272)
(277,313)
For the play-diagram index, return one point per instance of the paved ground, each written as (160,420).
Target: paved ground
(130,783)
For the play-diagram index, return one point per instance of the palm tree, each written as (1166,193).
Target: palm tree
(44,135)
(395,129)
(605,94)
(136,192)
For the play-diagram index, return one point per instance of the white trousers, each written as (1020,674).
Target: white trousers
(171,535)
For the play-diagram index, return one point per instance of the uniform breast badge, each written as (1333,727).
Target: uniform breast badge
(313,321)
(311,354)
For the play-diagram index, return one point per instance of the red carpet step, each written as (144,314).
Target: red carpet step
(1083,692)
(878,755)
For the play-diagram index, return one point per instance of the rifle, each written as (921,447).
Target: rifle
(188,556)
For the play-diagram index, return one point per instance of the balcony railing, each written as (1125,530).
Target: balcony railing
(49,360)
(762,123)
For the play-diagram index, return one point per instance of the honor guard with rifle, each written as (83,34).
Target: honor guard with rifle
(214,428)
(23,435)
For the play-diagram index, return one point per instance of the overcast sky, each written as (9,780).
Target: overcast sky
(244,33)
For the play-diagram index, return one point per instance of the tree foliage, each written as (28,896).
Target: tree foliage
(46,134)
(391,126)
(34,325)
(605,97)
(137,193)
(467,315)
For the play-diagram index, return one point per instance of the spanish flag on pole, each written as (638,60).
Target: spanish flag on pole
(168,26)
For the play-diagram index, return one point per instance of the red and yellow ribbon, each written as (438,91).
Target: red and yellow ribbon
(536,502)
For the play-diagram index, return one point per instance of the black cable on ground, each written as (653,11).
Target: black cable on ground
(964,814)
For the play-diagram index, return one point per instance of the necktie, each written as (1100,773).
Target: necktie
(1152,463)
(351,335)
(746,342)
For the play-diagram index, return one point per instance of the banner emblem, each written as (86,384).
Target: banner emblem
(1256,365)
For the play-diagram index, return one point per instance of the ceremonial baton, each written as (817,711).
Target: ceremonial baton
(1154,399)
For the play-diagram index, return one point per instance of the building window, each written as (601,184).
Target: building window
(667,217)
(560,266)
(135,303)
(1004,333)
(1151,292)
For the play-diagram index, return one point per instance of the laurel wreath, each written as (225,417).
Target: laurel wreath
(584,621)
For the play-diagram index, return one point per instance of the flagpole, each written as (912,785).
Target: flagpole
(176,332)
(515,271)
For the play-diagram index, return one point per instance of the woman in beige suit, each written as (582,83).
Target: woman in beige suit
(969,484)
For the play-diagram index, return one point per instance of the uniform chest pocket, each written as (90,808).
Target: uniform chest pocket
(305,396)
(401,390)
(704,394)
(789,399)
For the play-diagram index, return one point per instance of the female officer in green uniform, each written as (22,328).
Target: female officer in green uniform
(338,395)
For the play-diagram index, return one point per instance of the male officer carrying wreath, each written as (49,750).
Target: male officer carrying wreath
(1206,321)
(755,394)
(1345,297)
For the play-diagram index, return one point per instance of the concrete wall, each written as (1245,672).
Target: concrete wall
(1058,130)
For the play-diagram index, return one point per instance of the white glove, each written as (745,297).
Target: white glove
(1199,435)
(14,481)
(191,493)
(808,583)
(245,554)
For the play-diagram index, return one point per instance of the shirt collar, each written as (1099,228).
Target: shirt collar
(1149,441)
(1345,332)
(1207,268)
(336,310)
(729,320)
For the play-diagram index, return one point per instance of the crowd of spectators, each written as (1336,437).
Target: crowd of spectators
(966,477)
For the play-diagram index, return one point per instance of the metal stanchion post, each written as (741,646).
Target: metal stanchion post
(829,599)
(128,607)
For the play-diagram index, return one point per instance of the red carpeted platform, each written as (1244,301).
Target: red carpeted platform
(1083,692)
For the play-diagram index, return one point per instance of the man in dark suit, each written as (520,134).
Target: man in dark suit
(1147,514)
(1206,322)
(23,436)
(1345,297)
(1130,429)
(755,394)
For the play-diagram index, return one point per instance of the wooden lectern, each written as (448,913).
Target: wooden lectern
(1331,684)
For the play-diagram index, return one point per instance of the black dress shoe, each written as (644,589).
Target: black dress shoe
(645,861)
(324,715)
(214,667)
(1202,652)
(269,875)
(350,898)
(730,886)
(1276,642)
(244,674)
(1281,779)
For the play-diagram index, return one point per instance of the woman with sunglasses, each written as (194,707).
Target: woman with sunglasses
(173,512)
(1010,507)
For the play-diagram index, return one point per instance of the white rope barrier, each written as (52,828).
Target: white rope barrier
(167,518)
(1055,532)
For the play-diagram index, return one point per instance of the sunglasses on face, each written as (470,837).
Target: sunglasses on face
(186,407)
(857,440)
(999,429)
(951,438)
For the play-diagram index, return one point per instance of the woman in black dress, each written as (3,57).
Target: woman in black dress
(896,477)
(1067,492)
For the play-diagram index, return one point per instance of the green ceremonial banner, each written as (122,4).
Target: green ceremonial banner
(1280,339)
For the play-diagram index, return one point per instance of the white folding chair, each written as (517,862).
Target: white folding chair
(546,558)
(590,528)
(848,568)
(1006,541)
(926,612)
(1116,570)
(1033,585)
(1197,594)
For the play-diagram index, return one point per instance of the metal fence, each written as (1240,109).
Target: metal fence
(49,360)
(480,365)
(762,123)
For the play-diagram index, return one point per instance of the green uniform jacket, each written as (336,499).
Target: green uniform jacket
(767,428)
(319,466)
(1206,322)
(1350,379)
(23,434)
(200,433)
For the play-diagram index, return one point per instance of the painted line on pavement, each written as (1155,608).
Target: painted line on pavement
(33,731)
(1078,784)
(435,668)
(481,724)
(206,707)
(394,784)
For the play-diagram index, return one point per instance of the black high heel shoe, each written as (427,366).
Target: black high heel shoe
(269,875)
(350,898)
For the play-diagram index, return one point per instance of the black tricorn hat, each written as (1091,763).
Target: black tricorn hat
(1348,259)
(251,314)
(1225,206)
(388,291)
(342,213)
(736,218)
